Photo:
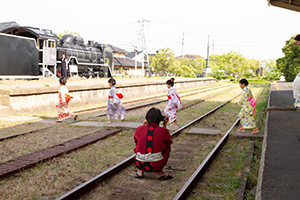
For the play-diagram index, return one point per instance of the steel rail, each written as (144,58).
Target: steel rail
(104,114)
(155,102)
(94,182)
(192,181)
(148,98)
(23,133)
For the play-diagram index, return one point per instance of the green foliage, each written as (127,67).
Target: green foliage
(289,65)
(68,32)
(270,71)
(164,63)
(233,64)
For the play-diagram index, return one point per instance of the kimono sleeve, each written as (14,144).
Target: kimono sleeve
(250,94)
(242,98)
(115,97)
(63,91)
(167,137)
(173,95)
(296,87)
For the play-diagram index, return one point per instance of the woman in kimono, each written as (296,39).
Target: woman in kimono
(296,91)
(153,146)
(246,114)
(115,108)
(296,83)
(63,101)
(174,103)
(64,66)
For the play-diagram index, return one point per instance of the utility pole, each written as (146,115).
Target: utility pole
(207,59)
(207,68)
(144,42)
(182,44)
(213,45)
(135,63)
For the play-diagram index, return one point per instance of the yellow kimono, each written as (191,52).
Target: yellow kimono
(246,114)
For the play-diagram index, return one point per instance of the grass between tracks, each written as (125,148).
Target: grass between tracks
(57,176)
(252,178)
(223,176)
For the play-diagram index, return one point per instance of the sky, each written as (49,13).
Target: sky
(251,28)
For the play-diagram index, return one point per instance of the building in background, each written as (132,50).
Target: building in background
(125,65)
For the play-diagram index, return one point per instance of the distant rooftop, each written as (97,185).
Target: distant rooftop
(190,56)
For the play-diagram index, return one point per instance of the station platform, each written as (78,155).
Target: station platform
(19,87)
(39,95)
(279,174)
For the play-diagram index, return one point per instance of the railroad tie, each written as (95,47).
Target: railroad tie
(31,159)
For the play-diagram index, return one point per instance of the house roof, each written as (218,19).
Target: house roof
(115,49)
(290,5)
(132,54)
(151,54)
(190,56)
(127,62)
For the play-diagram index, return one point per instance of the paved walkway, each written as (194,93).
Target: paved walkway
(279,176)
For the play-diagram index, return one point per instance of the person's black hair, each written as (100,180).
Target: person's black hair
(297,37)
(171,82)
(63,80)
(244,81)
(112,80)
(154,115)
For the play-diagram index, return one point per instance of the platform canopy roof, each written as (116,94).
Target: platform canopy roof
(287,4)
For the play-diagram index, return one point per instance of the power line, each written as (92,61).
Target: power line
(222,25)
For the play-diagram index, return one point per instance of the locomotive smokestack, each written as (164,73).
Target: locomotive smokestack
(90,43)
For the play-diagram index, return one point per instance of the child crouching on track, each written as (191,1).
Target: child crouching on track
(174,103)
(115,108)
(246,114)
(63,101)
(152,146)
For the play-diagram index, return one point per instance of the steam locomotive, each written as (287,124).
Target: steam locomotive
(91,60)
(88,60)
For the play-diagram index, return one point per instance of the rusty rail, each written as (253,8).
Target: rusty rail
(192,181)
(94,182)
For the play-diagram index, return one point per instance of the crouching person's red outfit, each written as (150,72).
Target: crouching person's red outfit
(152,139)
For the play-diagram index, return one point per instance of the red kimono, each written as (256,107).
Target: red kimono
(152,139)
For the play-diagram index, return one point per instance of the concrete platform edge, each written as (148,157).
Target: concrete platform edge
(263,154)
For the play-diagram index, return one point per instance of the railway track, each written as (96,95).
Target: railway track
(153,97)
(190,184)
(43,154)
(127,163)
(127,109)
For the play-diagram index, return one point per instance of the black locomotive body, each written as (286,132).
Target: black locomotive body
(89,60)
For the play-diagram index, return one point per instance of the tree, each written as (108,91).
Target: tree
(233,63)
(289,65)
(270,70)
(185,67)
(68,32)
(252,65)
(163,62)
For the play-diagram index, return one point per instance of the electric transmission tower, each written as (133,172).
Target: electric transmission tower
(144,44)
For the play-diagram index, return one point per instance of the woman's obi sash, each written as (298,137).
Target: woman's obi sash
(68,98)
(169,97)
(252,103)
(149,157)
(120,95)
